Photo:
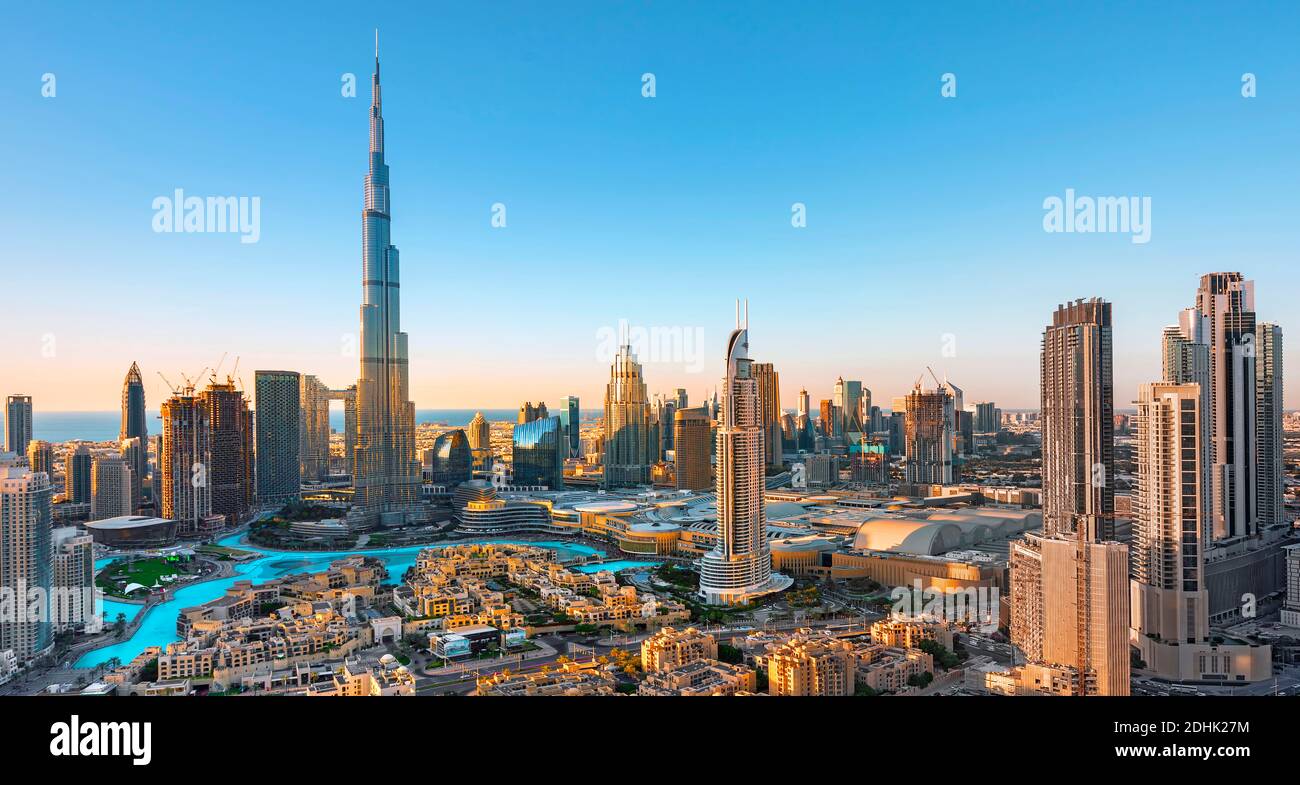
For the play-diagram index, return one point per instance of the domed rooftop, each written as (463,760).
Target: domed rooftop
(607,508)
(923,538)
(654,526)
(777,510)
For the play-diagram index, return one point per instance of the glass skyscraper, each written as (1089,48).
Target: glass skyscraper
(386,471)
(18,423)
(449,460)
(134,422)
(570,423)
(538,453)
(277,410)
(77,464)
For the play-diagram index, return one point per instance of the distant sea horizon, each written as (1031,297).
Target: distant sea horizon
(58,427)
(103,426)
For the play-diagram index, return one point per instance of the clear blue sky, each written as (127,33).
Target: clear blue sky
(924,214)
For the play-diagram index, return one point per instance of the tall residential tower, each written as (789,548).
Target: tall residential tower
(26,559)
(18,423)
(1069,584)
(277,409)
(1226,301)
(1078,423)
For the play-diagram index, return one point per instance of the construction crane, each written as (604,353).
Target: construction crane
(233,376)
(191,383)
(185,389)
(175,390)
(217,370)
(937,383)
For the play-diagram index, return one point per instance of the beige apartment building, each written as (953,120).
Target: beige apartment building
(1070,605)
(806,665)
(670,648)
(1170,603)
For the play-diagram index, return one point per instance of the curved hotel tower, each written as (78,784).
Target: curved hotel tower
(386,472)
(739,567)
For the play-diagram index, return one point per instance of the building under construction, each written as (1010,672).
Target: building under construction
(230,469)
(182,464)
(928,437)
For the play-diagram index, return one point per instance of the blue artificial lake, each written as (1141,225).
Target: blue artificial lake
(614,566)
(110,608)
(158,628)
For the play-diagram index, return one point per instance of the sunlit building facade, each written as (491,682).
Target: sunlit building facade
(1078,422)
(112,484)
(40,456)
(26,558)
(769,410)
(739,567)
(1069,584)
(627,421)
(1170,603)
(692,451)
(480,441)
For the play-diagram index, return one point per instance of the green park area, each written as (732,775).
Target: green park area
(117,576)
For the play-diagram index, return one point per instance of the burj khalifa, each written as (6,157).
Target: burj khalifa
(386,470)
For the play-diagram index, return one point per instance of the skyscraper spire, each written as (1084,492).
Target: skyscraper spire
(386,470)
